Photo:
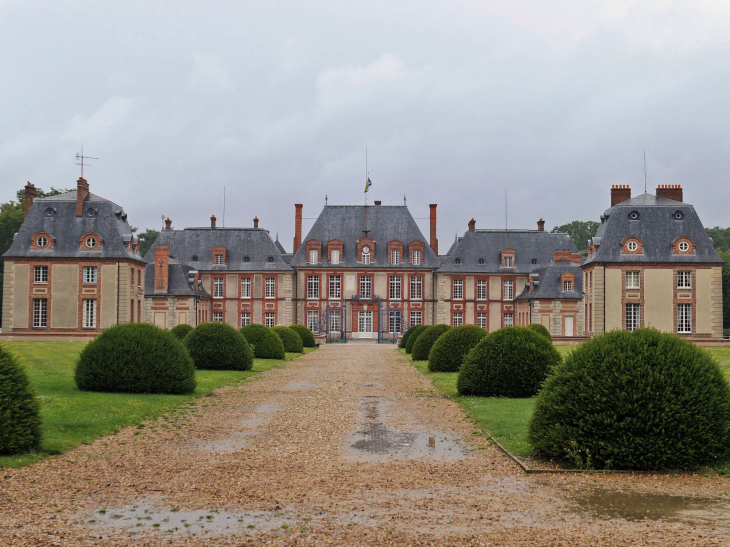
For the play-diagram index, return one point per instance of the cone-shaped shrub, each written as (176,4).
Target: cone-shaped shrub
(218,346)
(406,335)
(634,400)
(422,346)
(20,421)
(291,339)
(266,344)
(306,335)
(540,329)
(510,362)
(181,331)
(413,337)
(449,351)
(135,358)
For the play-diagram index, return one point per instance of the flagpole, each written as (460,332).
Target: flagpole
(366,175)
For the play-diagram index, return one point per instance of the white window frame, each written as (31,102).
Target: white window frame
(394,256)
(217,317)
(335,256)
(508,320)
(395,287)
(457,289)
(217,287)
(88,309)
(335,287)
(313,256)
(365,321)
(416,318)
(508,289)
(632,314)
(218,259)
(683,246)
(457,319)
(40,274)
(482,320)
(632,246)
(313,320)
(245,318)
(366,286)
(568,285)
(270,287)
(91,242)
(90,274)
(245,287)
(416,287)
(684,279)
(633,280)
(394,321)
(40,313)
(335,320)
(42,241)
(508,261)
(269,319)
(366,255)
(684,318)
(481,289)
(416,257)
(313,287)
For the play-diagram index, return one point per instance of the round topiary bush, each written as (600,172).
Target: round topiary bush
(135,358)
(20,421)
(181,331)
(540,329)
(218,346)
(413,337)
(306,335)
(510,362)
(426,339)
(266,344)
(634,400)
(406,335)
(449,351)
(291,339)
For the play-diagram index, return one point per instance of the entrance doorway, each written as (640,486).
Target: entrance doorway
(568,325)
(365,324)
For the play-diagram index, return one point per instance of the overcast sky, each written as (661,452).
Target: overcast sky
(455,101)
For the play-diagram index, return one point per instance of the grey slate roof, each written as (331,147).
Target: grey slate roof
(240,243)
(546,282)
(384,223)
(178,281)
(57,216)
(529,245)
(279,245)
(656,227)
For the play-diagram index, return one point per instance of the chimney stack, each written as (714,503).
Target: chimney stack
(670,191)
(168,224)
(297,226)
(576,258)
(255,222)
(162,260)
(472,225)
(212,221)
(434,240)
(82,192)
(619,193)
(30,194)
(541,225)
(377,203)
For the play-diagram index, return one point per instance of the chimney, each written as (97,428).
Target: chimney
(162,260)
(212,221)
(168,224)
(619,193)
(576,258)
(541,225)
(434,240)
(670,191)
(255,222)
(297,226)
(472,225)
(82,192)
(377,203)
(30,194)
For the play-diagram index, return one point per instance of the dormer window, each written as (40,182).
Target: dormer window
(395,251)
(42,241)
(634,215)
(335,256)
(683,245)
(632,245)
(219,255)
(568,285)
(218,259)
(366,254)
(91,242)
(313,258)
(508,261)
(395,256)
(416,257)
(508,258)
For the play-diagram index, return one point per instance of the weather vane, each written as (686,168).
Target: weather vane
(81,159)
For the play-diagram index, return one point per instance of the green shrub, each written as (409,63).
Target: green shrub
(510,362)
(267,345)
(305,334)
(540,329)
(414,336)
(634,400)
(218,346)
(135,358)
(291,339)
(181,331)
(422,346)
(406,335)
(449,351)
(20,421)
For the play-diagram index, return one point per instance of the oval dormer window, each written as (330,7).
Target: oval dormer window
(91,212)
(247,258)
(457,260)
(270,259)
(533,261)
(634,215)
(678,215)
(683,246)
(195,258)
(481,261)
(632,246)
(42,241)
(50,211)
(91,242)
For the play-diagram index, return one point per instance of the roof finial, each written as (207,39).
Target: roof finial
(326,200)
(404,200)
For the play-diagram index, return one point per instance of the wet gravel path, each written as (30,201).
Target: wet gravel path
(346,445)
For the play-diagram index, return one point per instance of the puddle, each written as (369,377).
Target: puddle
(636,507)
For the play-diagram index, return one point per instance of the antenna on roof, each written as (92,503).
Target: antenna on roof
(645,170)
(404,200)
(163,220)
(81,159)
(326,199)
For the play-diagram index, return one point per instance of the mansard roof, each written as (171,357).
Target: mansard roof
(180,282)
(194,247)
(529,245)
(383,223)
(56,215)
(547,283)
(659,222)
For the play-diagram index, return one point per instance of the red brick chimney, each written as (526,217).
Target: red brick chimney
(255,222)
(670,191)
(297,226)
(30,195)
(567,255)
(212,221)
(619,193)
(82,192)
(434,240)
(472,225)
(168,224)
(377,203)
(541,225)
(162,260)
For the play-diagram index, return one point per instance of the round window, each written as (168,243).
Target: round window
(683,246)
(457,261)
(247,258)
(91,242)
(634,215)
(42,242)
(270,259)
(678,215)
(632,246)
(481,261)
(195,258)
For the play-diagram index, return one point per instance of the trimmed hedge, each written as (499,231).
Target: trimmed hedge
(266,344)
(510,362)
(540,329)
(449,351)
(406,335)
(20,420)
(290,338)
(634,400)
(218,346)
(422,346)
(305,334)
(181,331)
(417,331)
(135,358)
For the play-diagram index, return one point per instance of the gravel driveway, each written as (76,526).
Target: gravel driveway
(346,445)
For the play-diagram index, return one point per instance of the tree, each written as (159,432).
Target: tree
(146,239)
(720,238)
(580,232)
(725,289)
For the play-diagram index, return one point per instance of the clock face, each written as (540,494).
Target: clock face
(366,249)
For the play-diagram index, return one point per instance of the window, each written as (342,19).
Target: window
(366,255)
(245,287)
(567,285)
(366,286)
(270,287)
(508,261)
(632,246)
(335,321)
(313,256)
(89,274)
(312,286)
(416,318)
(458,319)
(270,319)
(395,256)
(313,320)
(509,320)
(416,287)
(395,288)
(633,280)
(365,321)
(40,274)
(335,287)
(217,317)
(458,292)
(509,289)
(482,320)
(417,257)
(42,241)
(335,255)
(684,318)
(40,312)
(218,259)
(481,289)
(683,246)
(88,320)
(91,242)
(632,316)
(245,318)
(217,287)
(684,280)
(394,321)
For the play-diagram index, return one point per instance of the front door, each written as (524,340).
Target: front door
(568,325)
(365,324)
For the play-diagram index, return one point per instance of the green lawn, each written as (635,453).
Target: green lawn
(72,417)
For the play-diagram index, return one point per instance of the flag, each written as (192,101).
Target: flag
(368,184)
